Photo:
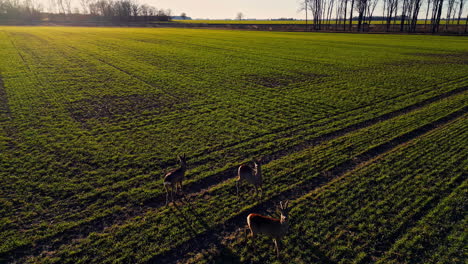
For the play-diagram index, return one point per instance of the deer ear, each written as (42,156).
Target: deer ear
(281,205)
(286,204)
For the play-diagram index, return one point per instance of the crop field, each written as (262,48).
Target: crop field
(365,135)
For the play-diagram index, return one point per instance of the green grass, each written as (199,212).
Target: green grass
(91,117)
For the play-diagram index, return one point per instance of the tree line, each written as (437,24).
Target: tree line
(403,13)
(109,10)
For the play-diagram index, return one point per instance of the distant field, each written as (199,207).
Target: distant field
(296,22)
(364,134)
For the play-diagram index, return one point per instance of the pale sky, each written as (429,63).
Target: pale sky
(228,9)
(260,9)
(222,9)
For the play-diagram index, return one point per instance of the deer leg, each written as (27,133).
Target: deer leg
(276,246)
(167,194)
(237,187)
(172,193)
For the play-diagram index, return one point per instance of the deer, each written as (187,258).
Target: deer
(251,175)
(271,227)
(174,178)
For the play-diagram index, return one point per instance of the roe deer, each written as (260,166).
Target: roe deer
(251,175)
(274,228)
(174,177)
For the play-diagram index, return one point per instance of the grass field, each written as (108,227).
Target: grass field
(364,134)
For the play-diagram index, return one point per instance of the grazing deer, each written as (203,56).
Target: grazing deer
(251,175)
(274,228)
(174,177)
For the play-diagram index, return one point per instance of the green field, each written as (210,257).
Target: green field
(364,134)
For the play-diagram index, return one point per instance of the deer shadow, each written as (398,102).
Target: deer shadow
(189,217)
(225,256)
(313,252)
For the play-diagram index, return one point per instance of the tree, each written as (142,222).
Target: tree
(351,16)
(427,10)
(239,16)
(416,5)
(330,10)
(436,14)
(304,7)
(462,2)
(183,16)
(405,9)
(84,6)
(361,7)
(450,9)
(135,9)
(371,4)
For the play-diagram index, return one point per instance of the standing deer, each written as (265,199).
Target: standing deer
(274,228)
(251,175)
(174,177)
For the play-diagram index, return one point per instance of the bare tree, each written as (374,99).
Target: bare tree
(345,3)
(68,6)
(330,10)
(436,14)
(351,15)
(427,10)
(84,6)
(405,9)
(450,9)
(317,7)
(239,16)
(361,6)
(61,6)
(460,10)
(391,6)
(371,4)
(135,7)
(415,7)
(304,6)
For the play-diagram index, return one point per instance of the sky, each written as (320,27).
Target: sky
(228,9)
(212,9)
(223,9)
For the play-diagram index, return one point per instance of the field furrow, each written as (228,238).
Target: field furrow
(366,219)
(318,177)
(139,206)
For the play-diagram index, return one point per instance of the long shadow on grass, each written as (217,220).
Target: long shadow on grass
(208,237)
(100,223)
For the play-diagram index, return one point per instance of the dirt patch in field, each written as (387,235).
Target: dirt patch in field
(441,58)
(274,81)
(111,106)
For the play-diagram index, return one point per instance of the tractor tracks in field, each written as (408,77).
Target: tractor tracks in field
(164,91)
(6,116)
(286,131)
(4,106)
(216,234)
(99,224)
(384,246)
